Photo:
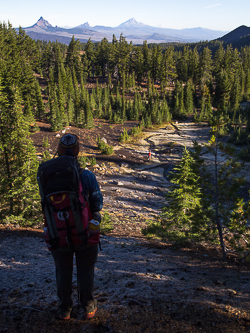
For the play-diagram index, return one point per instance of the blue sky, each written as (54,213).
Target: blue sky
(224,15)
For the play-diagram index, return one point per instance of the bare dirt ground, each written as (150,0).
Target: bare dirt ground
(140,285)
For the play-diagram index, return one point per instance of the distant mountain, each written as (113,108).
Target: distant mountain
(43,30)
(43,23)
(132,30)
(85,25)
(132,23)
(236,34)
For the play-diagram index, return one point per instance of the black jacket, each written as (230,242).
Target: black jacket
(91,191)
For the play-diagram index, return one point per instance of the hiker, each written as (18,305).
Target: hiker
(149,155)
(86,254)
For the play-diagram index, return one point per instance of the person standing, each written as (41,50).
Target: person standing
(149,155)
(86,255)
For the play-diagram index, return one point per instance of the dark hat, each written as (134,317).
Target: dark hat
(68,145)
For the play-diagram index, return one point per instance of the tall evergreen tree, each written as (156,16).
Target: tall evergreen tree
(205,67)
(72,60)
(18,189)
(188,97)
(156,62)
(88,115)
(169,66)
(182,218)
(39,102)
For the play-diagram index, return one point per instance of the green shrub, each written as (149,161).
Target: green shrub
(83,161)
(135,131)
(104,147)
(46,156)
(124,136)
(92,161)
(106,224)
(46,143)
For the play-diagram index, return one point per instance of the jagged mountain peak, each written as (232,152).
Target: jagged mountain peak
(131,23)
(43,23)
(84,25)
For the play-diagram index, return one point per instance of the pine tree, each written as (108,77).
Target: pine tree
(182,218)
(47,60)
(70,110)
(188,97)
(178,107)
(102,56)
(88,116)
(205,67)
(146,58)
(61,100)
(247,85)
(39,102)
(225,184)
(149,84)
(166,115)
(219,60)
(70,87)
(156,62)
(235,94)
(90,57)
(223,87)
(193,68)
(77,102)
(182,65)
(18,188)
(72,60)
(169,66)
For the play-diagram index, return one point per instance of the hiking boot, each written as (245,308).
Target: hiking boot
(90,309)
(89,314)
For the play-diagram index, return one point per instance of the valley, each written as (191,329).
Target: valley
(141,285)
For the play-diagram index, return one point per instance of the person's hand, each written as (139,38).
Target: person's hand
(97,216)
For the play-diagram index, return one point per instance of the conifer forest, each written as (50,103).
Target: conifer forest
(207,83)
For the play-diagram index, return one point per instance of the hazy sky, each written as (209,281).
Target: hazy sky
(224,15)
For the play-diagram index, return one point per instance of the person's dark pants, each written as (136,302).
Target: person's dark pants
(85,262)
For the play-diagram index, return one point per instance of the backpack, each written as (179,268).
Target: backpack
(65,209)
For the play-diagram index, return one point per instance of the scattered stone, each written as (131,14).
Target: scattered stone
(58,135)
(218,282)
(232,292)
(116,182)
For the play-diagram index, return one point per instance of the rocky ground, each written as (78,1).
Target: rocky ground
(141,285)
